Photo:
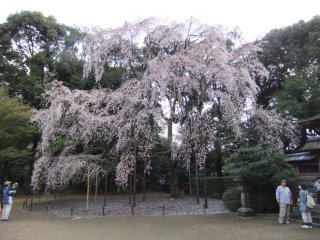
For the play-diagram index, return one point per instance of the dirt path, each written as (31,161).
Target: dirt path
(29,226)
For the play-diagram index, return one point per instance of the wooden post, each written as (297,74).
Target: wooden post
(132,212)
(96,188)
(190,188)
(162,209)
(71,211)
(197,183)
(144,181)
(130,187)
(31,204)
(88,191)
(134,183)
(105,190)
(135,173)
(103,210)
(205,186)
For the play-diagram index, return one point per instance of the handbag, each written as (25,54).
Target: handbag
(310,201)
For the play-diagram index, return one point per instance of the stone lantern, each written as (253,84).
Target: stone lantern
(245,210)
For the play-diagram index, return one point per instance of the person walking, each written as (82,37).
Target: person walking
(305,211)
(284,199)
(317,187)
(8,193)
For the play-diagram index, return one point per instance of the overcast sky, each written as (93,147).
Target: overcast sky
(254,17)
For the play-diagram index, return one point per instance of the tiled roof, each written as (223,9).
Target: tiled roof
(311,145)
(317,117)
(301,156)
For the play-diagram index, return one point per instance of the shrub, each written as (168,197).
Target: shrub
(262,170)
(232,199)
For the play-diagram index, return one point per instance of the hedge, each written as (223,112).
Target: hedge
(215,185)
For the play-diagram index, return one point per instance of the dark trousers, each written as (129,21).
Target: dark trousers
(318,197)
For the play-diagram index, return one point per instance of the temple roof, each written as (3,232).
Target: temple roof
(313,144)
(301,156)
(311,122)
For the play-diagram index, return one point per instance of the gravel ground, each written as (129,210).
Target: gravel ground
(120,206)
(25,225)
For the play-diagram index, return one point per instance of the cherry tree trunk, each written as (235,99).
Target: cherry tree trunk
(174,186)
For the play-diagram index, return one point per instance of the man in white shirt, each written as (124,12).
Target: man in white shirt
(284,199)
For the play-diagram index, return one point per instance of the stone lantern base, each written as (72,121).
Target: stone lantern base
(245,212)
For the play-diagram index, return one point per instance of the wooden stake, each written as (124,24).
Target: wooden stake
(96,188)
(88,191)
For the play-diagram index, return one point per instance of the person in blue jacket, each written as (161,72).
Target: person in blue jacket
(8,193)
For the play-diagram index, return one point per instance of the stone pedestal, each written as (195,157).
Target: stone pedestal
(245,210)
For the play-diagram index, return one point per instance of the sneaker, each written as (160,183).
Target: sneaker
(310,226)
(305,226)
(287,222)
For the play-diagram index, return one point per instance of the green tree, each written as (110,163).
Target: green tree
(262,169)
(288,50)
(18,139)
(30,44)
(300,96)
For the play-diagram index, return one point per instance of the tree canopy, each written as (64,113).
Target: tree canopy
(178,76)
(18,139)
(30,46)
(288,51)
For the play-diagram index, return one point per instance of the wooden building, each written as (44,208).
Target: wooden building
(307,160)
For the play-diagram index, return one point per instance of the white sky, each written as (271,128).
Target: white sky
(254,17)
